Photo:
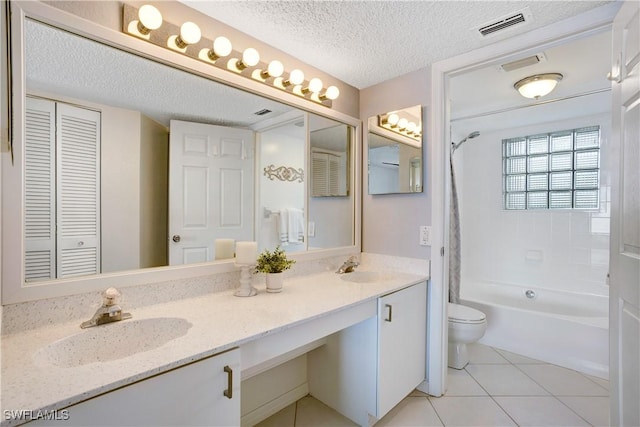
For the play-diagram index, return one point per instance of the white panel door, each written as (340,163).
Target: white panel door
(625,219)
(210,189)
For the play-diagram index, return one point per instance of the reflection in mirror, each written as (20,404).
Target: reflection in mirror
(282,185)
(395,152)
(331,202)
(137,164)
(282,152)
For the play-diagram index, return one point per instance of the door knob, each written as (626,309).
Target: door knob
(176,238)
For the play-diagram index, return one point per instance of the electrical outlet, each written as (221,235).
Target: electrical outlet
(425,235)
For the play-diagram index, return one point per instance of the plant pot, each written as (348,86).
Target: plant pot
(274,282)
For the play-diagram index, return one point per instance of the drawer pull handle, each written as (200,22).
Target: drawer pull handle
(388,319)
(229,391)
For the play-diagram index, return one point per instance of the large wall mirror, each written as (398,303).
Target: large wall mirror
(395,151)
(131,164)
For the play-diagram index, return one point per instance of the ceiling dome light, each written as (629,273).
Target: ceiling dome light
(538,85)
(189,34)
(149,19)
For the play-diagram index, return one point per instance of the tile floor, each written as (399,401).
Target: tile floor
(497,388)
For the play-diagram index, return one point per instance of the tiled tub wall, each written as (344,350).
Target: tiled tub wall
(559,249)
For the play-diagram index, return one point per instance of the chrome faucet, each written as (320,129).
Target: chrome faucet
(348,266)
(109,312)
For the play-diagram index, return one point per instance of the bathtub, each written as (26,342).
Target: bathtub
(564,328)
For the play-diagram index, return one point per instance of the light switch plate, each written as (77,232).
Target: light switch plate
(311,232)
(425,235)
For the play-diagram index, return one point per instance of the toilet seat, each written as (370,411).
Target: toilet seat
(463,314)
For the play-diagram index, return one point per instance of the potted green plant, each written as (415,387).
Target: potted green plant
(273,264)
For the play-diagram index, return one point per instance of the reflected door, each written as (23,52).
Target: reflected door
(210,189)
(62,190)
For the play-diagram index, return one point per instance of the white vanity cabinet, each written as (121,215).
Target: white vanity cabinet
(365,370)
(206,392)
(402,319)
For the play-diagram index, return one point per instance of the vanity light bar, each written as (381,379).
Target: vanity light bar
(147,23)
(400,125)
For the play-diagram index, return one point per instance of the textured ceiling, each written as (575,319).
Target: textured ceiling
(367,42)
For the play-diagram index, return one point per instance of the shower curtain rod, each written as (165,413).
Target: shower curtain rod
(549,101)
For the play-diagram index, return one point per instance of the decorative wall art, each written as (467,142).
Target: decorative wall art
(284,173)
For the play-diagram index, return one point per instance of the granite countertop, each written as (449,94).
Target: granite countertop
(219,321)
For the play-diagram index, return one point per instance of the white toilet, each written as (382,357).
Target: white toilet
(466,325)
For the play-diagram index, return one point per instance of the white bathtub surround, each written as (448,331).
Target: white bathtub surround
(564,328)
(563,250)
(219,322)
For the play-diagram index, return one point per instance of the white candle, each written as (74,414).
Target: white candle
(246,252)
(224,248)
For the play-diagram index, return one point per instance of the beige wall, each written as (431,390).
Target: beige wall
(390,223)
(154,193)
(120,166)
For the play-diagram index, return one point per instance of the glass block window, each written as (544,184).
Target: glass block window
(559,170)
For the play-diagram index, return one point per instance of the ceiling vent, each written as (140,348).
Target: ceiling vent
(517,19)
(523,62)
(262,112)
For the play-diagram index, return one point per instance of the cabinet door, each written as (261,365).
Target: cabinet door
(402,320)
(193,395)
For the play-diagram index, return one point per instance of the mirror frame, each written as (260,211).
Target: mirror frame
(13,284)
(373,127)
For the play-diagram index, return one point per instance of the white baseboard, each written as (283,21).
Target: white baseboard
(277,404)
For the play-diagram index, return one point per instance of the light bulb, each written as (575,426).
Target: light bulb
(332,93)
(275,69)
(189,34)
(149,19)
(393,119)
(411,127)
(315,85)
(402,123)
(221,47)
(296,77)
(250,57)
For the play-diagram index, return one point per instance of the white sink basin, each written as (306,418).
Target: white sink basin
(111,341)
(365,277)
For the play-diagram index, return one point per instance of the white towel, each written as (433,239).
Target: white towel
(295,225)
(283,227)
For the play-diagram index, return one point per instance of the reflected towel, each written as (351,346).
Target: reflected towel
(283,227)
(295,225)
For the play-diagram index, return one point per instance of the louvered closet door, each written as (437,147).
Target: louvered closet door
(78,195)
(40,244)
(319,168)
